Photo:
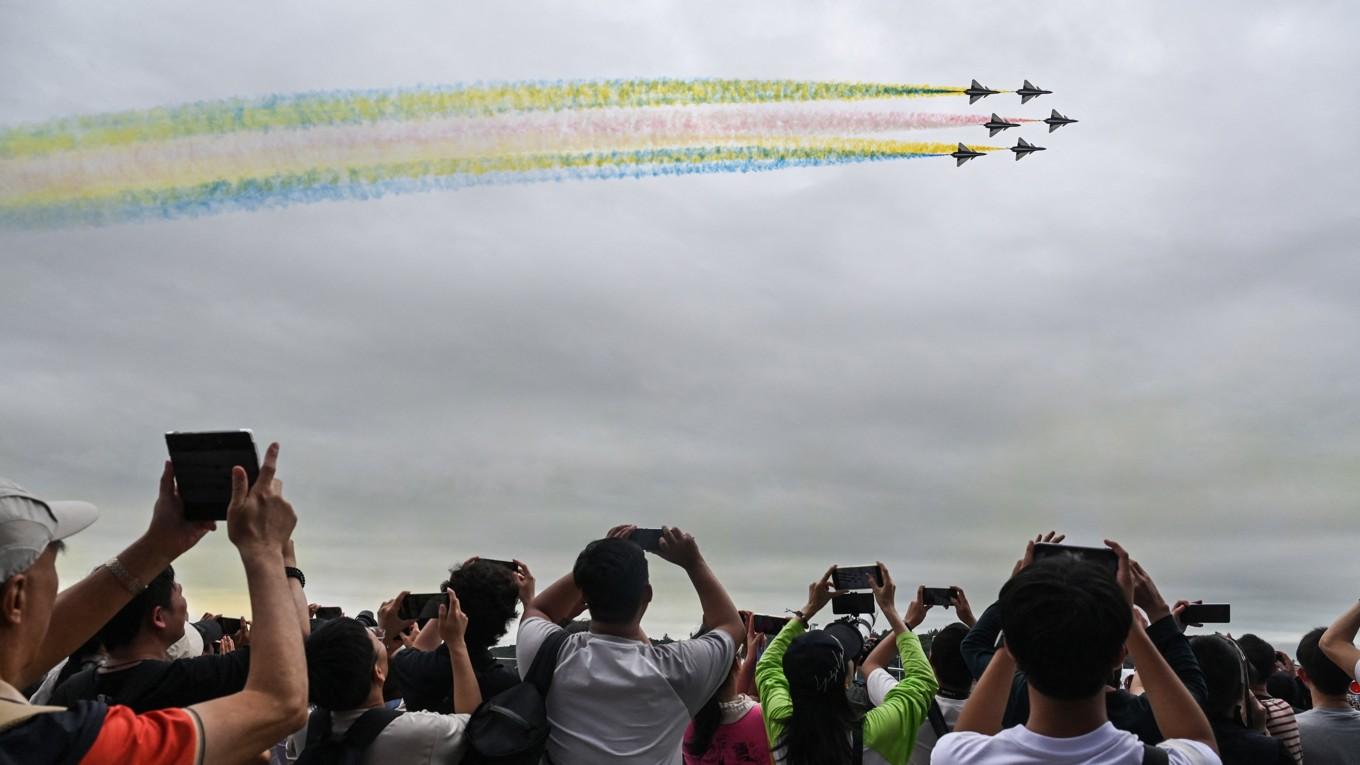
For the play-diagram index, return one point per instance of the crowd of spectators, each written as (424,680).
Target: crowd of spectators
(1073,663)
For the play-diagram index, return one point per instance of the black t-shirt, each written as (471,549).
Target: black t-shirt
(153,685)
(1238,745)
(426,678)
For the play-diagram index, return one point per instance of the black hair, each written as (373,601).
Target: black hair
(612,573)
(1283,685)
(815,731)
(1260,657)
(1223,673)
(1065,622)
(1322,672)
(340,660)
(122,629)
(487,593)
(946,657)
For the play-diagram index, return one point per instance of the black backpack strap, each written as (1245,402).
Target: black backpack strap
(936,717)
(1155,755)
(857,744)
(545,662)
(365,729)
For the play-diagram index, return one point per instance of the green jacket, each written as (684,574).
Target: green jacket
(889,729)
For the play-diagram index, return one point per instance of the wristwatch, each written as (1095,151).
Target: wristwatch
(295,573)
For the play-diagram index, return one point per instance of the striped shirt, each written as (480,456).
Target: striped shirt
(1280,723)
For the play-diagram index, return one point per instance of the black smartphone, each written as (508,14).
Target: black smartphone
(939,596)
(768,625)
(421,606)
(326,613)
(230,625)
(203,463)
(856,577)
(502,563)
(1207,613)
(1103,557)
(647,539)
(853,603)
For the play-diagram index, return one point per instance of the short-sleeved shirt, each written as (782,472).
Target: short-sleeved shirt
(91,733)
(1280,723)
(1106,745)
(621,701)
(151,685)
(414,738)
(1330,736)
(879,683)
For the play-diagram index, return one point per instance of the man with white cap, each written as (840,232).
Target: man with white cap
(38,628)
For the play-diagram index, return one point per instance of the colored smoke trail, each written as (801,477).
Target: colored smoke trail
(311,110)
(201,159)
(375,181)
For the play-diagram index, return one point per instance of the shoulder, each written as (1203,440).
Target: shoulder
(1185,752)
(716,642)
(965,747)
(879,682)
(60,736)
(430,723)
(163,737)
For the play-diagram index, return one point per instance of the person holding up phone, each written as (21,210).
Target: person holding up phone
(802,679)
(38,627)
(1125,710)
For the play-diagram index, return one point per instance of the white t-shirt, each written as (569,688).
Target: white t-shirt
(415,738)
(1106,745)
(625,702)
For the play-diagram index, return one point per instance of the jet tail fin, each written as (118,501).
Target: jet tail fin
(976,86)
(1055,115)
(1028,86)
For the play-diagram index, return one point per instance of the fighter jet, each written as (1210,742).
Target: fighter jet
(1029,91)
(1057,120)
(976,91)
(964,154)
(997,124)
(1023,148)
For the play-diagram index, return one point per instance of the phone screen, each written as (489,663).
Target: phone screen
(768,625)
(326,613)
(230,625)
(203,463)
(421,606)
(647,539)
(1207,613)
(939,596)
(1103,557)
(502,563)
(856,577)
(853,603)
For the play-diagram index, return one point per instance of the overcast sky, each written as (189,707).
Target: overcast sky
(1147,332)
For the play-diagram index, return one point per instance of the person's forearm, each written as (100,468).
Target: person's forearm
(560,601)
(1338,642)
(278,665)
(304,614)
(1173,646)
(746,680)
(979,644)
(84,608)
(720,613)
(467,695)
(1174,708)
(428,639)
(895,621)
(986,706)
(881,656)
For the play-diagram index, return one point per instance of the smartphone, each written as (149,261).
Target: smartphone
(1207,613)
(203,463)
(853,603)
(647,539)
(502,563)
(1103,557)
(768,625)
(421,606)
(939,596)
(326,613)
(856,577)
(230,625)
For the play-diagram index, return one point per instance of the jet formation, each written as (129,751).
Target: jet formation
(996,124)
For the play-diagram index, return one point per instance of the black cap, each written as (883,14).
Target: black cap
(366,618)
(815,660)
(210,629)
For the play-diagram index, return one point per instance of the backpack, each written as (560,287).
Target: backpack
(322,749)
(511,728)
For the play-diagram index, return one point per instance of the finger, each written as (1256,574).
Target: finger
(523,567)
(168,479)
(1059,539)
(240,487)
(276,487)
(826,578)
(270,466)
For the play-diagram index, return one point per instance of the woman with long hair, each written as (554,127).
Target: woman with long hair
(802,676)
(729,729)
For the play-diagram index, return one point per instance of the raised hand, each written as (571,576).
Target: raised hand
(679,548)
(1051,538)
(1179,607)
(885,592)
(524,580)
(452,621)
(171,534)
(258,517)
(820,593)
(1146,595)
(388,619)
(1124,576)
(917,609)
(961,607)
